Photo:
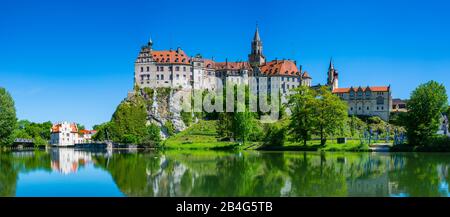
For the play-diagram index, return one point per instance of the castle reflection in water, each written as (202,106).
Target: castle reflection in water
(244,173)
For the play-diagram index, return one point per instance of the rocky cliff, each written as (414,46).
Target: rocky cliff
(163,108)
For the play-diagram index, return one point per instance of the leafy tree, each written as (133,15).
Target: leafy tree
(38,141)
(129,120)
(130,139)
(224,125)
(238,125)
(243,123)
(356,125)
(8,118)
(427,103)
(81,127)
(302,104)
(105,132)
(153,137)
(331,114)
(398,118)
(275,134)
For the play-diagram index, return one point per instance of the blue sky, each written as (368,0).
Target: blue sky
(73,60)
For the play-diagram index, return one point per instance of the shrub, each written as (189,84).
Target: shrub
(153,137)
(169,127)
(275,135)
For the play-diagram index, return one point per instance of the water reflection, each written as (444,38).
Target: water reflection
(67,160)
(208,173)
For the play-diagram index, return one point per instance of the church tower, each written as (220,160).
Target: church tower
(256,57)
(333,76)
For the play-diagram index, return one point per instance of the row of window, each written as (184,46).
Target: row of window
(161,77)
(368,108)
(161,68)
(289,79)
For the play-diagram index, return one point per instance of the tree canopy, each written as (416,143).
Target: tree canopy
(7,118)
(318,112)
(425,107)
(302,105)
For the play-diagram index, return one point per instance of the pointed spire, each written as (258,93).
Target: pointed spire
(256,37)
(331,64)
(150,42)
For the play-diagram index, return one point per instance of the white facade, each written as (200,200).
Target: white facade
(64,134)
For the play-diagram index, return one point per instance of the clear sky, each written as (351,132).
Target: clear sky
(73,60)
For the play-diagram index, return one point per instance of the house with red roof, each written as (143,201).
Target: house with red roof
(64,134)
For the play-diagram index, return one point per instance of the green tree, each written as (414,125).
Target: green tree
(427,103)
(356,125)
(38,141)
(243,125)
(153,137)
(302,104)
(331,114)
(129,120)
(81,127)
(105,132)
(275,134)
(224,125)
(8,118)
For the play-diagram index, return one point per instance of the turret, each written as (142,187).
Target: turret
(256,57)
(333,76)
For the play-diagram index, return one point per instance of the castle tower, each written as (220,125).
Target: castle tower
(333,76)
(256,57)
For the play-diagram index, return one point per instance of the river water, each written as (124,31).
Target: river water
(70,172)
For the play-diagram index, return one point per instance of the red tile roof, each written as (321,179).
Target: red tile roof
(209,63)
(280,67)
(233,65)
(87,131)
(56,128)
(171,57)
(373,89)
(306,75)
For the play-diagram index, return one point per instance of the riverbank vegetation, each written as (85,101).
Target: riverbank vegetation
(424,118)
(7,118)
(38,132)
(311,121)
(128,125)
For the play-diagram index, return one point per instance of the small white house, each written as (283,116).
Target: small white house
(85,136)
(64,134)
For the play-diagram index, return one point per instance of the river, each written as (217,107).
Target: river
(70,172)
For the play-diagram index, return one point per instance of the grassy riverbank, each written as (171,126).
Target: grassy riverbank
(204,136)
